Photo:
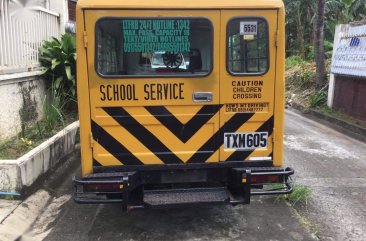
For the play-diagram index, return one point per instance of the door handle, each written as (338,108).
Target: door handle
(202,96)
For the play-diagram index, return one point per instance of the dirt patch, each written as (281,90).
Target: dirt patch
(300,84)
(31,137)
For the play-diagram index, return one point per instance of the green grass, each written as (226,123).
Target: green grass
(300,195)
(342,116)
(329,111)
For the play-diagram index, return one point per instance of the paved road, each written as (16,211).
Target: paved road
(329,162)
(263,219)
(334,166)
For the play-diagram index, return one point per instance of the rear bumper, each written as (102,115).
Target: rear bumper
(168,188)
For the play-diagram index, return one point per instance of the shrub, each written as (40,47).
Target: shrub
(318,99)
(58,58)
(328,51)
(52,109)
(310,56)
(294,61)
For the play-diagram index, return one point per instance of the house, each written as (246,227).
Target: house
(347,86)
(24,25)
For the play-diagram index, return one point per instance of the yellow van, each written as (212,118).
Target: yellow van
(180,102)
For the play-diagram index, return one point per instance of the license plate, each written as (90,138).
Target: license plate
(245,140)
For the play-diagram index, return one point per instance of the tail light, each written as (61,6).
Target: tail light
(105,187)
(264,179)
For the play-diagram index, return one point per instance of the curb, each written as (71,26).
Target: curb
(24,216)
(356,131)
(17,174)
(26,219)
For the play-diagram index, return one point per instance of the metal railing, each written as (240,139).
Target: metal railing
(22,30)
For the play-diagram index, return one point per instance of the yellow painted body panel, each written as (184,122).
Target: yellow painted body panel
(83,96)
(187,4)
(183,109)
(230,90)
(279,123)
(109,129)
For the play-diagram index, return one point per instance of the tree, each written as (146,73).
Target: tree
(319,45)
(301,22)
(299,14)
(358,9)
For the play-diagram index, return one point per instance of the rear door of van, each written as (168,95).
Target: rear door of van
(154,86)
(247,73)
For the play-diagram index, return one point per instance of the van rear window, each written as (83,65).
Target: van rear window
(247,46)
(154,47)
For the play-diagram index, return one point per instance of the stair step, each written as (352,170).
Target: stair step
(109,175)
(186,196)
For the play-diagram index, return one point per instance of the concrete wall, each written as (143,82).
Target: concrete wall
(22,96)
(61,7)
(339,28)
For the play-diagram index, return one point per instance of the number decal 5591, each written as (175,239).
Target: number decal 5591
(248,28)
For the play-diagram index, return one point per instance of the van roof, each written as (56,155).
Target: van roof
(182,4)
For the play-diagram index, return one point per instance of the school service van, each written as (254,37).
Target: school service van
(180,102)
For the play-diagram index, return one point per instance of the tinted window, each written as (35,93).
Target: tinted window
(247,46)
(154,46)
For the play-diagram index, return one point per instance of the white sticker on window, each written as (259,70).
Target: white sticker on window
(248,28)
(245,140)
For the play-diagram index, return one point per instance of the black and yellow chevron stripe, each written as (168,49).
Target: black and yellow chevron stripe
(118,142)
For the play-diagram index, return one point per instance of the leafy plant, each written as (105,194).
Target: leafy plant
(58,58)
(328,49)
(317,99)
(26,141)
(53,111)
(310,56)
